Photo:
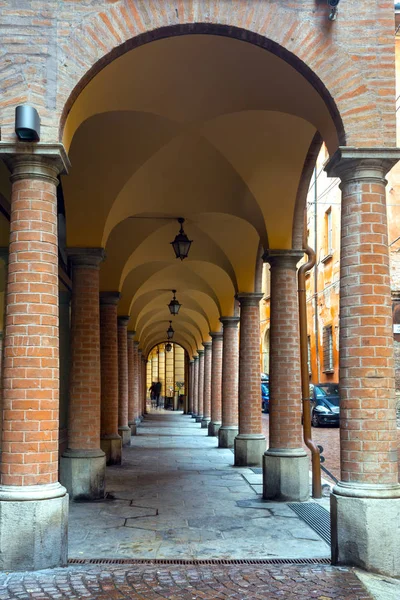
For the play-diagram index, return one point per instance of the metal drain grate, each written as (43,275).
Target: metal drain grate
(211,561)
(316,516)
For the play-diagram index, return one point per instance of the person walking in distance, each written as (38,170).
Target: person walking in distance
(157,392)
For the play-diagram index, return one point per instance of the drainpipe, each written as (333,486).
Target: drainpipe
(316,326)
(305,387)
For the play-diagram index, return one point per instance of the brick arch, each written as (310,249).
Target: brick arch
(236,32)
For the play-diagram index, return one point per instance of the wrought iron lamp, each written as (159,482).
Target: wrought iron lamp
(181,243)
(168,347)
(174,305)
(170,331)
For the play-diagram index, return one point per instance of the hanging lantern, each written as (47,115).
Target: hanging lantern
(181,243)
(170,331)
(168,347)
(174,305)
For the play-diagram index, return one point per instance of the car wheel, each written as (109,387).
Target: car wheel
(314,420)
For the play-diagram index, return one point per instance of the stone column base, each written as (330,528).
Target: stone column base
(365,527)
(194,416)
(112,448)
(199,418)
(125,433)
(213,428)
(33,527)
(226,436)
(286,475)
(132,425)
(83,473)
(204,423)
(249,449)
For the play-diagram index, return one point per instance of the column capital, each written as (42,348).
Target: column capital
(86,257)
(131,335)
(230,321)
(207,345)
(215,335)
(35,161)
(249,298)
(362,163)
(135,344)
(200,353)
(109,297)
(191,361)
(195,357)
(123,320)
(286,259)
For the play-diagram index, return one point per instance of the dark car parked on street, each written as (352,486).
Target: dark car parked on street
(264,393)
(325,404)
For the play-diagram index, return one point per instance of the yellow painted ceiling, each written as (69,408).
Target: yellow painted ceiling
(204,127)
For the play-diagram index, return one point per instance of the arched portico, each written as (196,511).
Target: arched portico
(216,125)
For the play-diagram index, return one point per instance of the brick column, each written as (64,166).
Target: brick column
(110,440)
(250,442)
(366,502)
(137,387)
(216,383)
(207,385)
(123,427)
(64,298)
(190,387)
(131,383)
(82,467)
(195,386)
(143,404)
(230,382)
(200,387)
(285,464)
(29,489)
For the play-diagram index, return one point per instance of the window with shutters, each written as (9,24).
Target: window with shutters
(328,348)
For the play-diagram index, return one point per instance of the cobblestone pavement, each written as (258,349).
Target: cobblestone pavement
(186,583)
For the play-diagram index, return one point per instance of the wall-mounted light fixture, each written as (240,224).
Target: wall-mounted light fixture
(181,243)
(168,347)
(27,123)
(174,305)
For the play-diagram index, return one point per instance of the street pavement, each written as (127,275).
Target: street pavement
(178,497)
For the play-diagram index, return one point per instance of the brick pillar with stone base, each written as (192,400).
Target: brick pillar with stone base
(110,440)
(216,383)
(131,383)
(250,442)
(190,387)
(195,386)
(82,466)
(207,385)
(285,463)
(365,504)
(230,383)
(200,388)
(143,391)
(123,428)
(33,504)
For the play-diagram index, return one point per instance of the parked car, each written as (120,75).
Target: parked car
(264,392)
(325,404)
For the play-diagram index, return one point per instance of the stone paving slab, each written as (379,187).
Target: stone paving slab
(176,496)
(151,582)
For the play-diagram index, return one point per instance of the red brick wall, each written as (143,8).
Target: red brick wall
(84,410)
(123,371)
(368,417)
(230,372)
(249,365)
(216,377)
(285,410)
(30,369)
(51,52)
(207,379)
(109,364)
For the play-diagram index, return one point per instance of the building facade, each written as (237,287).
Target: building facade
(165,119)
